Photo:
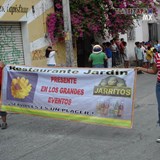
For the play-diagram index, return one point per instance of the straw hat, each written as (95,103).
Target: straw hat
(97,49)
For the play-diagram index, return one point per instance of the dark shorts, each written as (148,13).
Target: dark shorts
(2,113)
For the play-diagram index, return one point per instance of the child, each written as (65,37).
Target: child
(108,54)
(149,56)
(125,55)
(2,113)
(145,61)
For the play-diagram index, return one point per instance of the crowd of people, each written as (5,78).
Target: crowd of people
(147,56)
(115,52)
(145,53)
(111,54)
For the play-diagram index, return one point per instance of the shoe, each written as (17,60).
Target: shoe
(4,126)
(158,140)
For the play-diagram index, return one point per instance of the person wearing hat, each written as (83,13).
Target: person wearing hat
(97,57)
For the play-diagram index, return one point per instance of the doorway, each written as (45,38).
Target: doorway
(84,49)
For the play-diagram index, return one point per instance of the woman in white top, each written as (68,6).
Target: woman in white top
(50,55)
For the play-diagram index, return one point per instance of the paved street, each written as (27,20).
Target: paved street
(36,138)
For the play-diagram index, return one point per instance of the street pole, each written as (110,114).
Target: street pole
(68,34)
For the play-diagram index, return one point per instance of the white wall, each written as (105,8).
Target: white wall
(138,31)
(138,37)
(145,30)
(141,34)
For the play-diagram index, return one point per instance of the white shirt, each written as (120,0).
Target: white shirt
(144,54)
(114,48)
(126,58)
(51,58)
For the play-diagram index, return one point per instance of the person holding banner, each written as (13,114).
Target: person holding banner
(97,57)
(2,113)
(50,55)
(155,70)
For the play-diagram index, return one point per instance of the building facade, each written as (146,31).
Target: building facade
(144,30)
(23,32)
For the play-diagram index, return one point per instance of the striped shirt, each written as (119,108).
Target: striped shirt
(157,61)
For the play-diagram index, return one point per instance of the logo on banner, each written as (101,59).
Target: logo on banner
(113,86)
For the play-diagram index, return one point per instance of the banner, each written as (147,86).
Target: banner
(91,95)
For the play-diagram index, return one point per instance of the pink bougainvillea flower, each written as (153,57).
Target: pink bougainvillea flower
(94,17)
(58,5)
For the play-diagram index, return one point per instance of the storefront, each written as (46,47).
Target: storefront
(23,32)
